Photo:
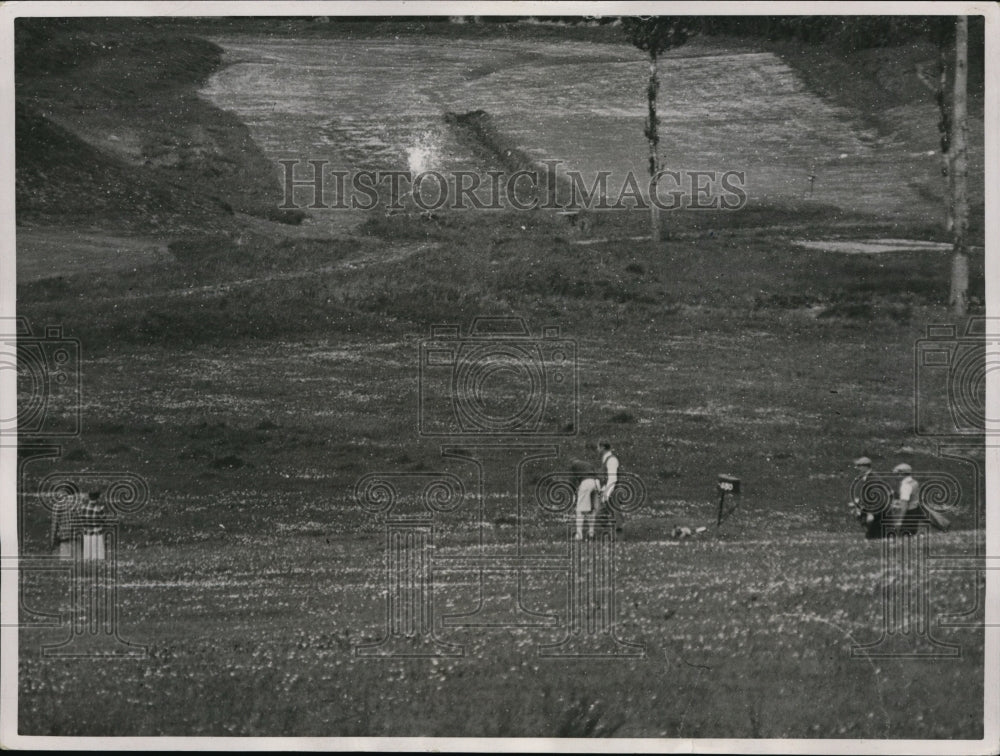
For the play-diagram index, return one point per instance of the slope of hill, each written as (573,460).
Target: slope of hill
(112,135)
(882,87)
(110,132)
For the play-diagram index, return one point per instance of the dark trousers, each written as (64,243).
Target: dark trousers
(902,523)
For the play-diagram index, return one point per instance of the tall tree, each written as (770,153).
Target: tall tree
(941,31)
(960,172)
(655,35)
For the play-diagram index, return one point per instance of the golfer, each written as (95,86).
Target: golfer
(862,471)
(588,497)
(609,465)
(62,533)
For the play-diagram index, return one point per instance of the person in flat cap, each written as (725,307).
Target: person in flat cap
(908,511)
(862,471)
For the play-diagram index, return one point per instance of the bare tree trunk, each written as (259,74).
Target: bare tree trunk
(960,173)
(945,129)
(943,99)
(652,134)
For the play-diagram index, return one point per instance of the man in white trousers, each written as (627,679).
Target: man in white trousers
(588,493)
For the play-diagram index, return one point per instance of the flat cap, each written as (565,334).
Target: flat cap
(903,468)
(863,461)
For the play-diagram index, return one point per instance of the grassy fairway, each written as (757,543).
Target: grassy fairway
(258,401)
(744,637)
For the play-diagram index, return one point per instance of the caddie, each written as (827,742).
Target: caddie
(862,471)
(909,512)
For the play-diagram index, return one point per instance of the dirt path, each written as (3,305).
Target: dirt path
(385,255)
(46,252)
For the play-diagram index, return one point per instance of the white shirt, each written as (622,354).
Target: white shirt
(610,462)
(587,485)
(909,489)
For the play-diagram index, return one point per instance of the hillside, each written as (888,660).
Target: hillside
(112,136)
(110,132)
